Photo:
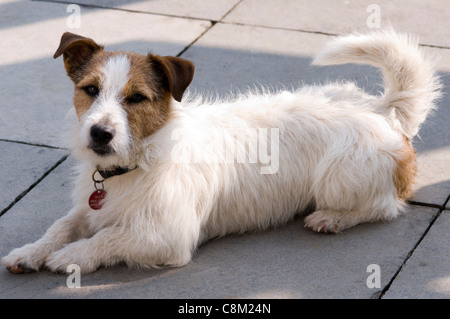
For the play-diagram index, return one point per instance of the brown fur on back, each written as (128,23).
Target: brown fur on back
(406,170)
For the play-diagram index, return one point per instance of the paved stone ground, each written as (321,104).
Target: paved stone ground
(235,44)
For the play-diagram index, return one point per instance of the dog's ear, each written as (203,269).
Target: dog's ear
(76,51)
(177,71)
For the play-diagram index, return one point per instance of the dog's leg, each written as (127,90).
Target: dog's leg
(349,192)
(333,221)
(32,256)
(115,244)
(103,248)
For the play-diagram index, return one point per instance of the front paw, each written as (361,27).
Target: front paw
(25,259)
(323,222)
(60,260)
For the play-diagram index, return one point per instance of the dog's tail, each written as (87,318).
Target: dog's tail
(410,84)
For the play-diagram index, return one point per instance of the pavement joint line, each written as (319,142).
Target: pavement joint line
(231,9)
(435,46)
(280,28)
(25,192)
(213,21)
(410,253)
(446,202)
(380,294)
(424,204)
(33,144)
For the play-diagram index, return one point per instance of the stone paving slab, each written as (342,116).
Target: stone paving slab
(200,9)
(44,204)
(22,165)
(28,220)
(344,16)
(433,143)
(426,274)
(433,183)
(30,33)
(287,262)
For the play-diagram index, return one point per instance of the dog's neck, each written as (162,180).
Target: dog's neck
(117,170)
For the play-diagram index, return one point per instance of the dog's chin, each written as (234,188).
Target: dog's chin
(102,151)
(106,158)
(103,156)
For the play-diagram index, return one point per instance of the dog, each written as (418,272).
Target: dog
(156,178)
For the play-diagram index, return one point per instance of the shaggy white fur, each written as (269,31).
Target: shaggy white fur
(220,167)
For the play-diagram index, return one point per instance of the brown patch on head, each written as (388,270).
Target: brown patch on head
(81,102)
(82,57)
(178,73)
(76,51)
(88,76)
(146,100)
(153,80)
(405,171)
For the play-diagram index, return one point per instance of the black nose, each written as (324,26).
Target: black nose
(101,135)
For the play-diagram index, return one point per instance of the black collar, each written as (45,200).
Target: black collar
(118,170)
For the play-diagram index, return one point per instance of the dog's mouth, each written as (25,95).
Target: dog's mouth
(102,150)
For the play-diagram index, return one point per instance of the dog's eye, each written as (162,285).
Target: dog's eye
(91,90)
(136,98)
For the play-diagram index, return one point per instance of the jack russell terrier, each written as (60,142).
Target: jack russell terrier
(158,177)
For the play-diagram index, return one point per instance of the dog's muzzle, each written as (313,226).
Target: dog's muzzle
(101,135)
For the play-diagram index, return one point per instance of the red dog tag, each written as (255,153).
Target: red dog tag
(96,199)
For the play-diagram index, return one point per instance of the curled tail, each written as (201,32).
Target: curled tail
(410,84)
